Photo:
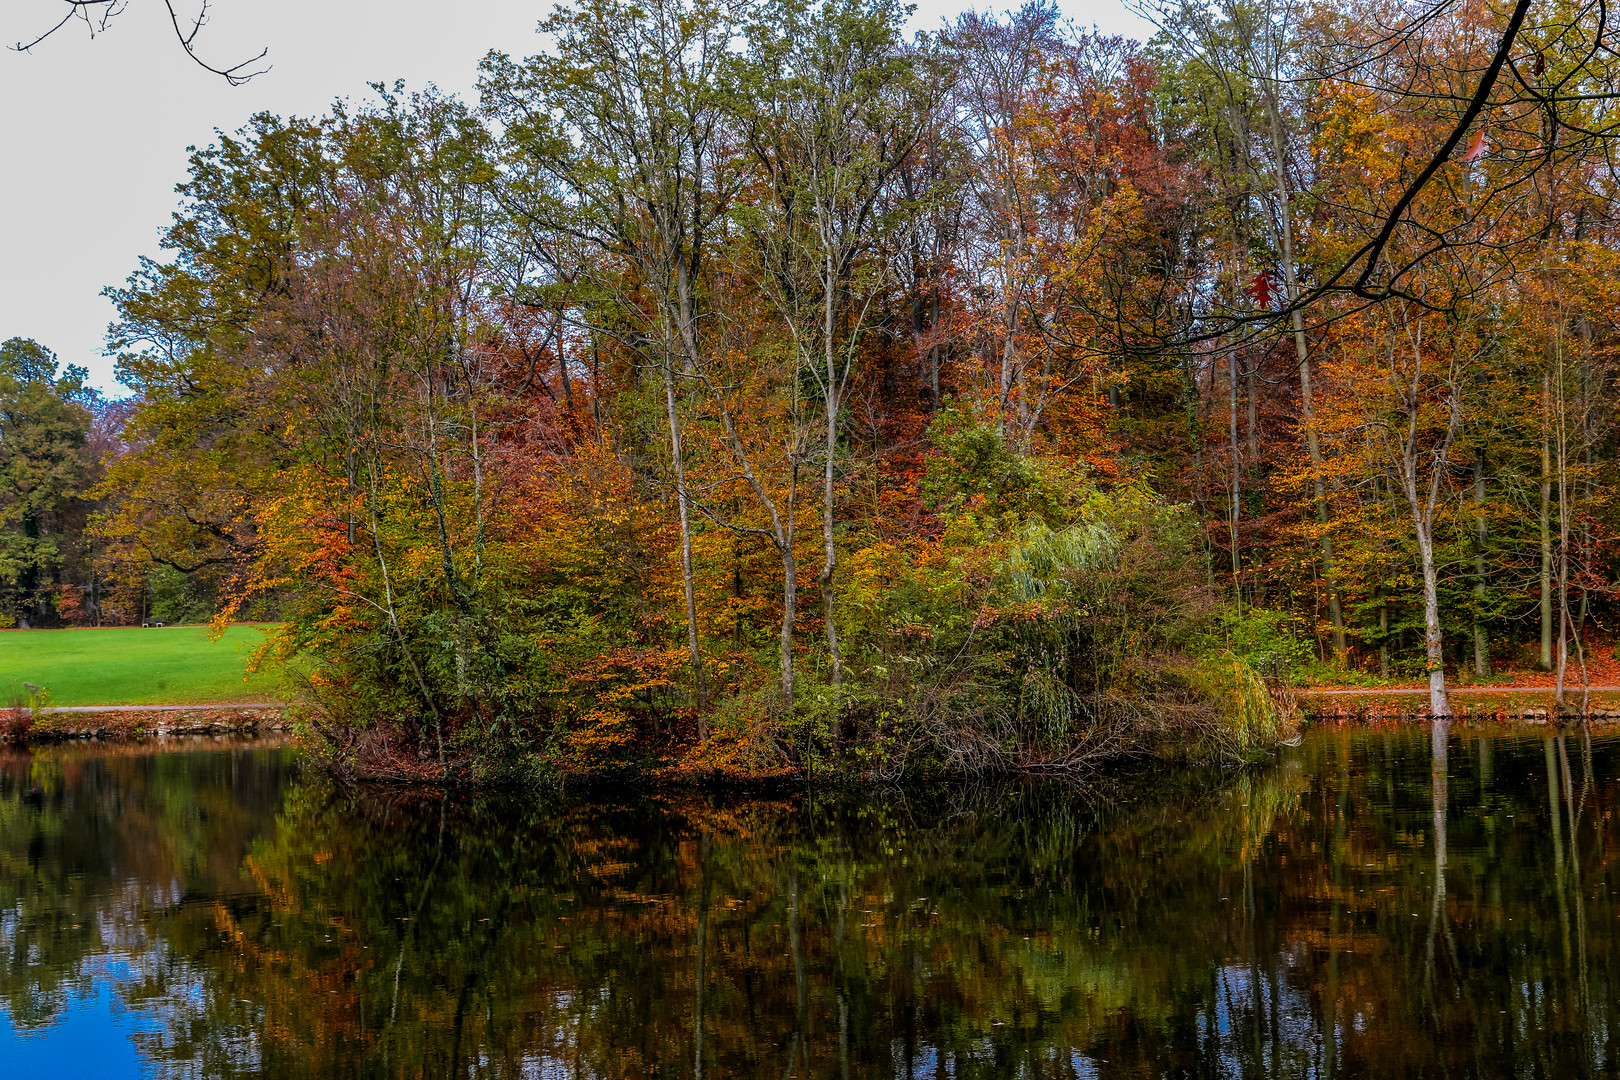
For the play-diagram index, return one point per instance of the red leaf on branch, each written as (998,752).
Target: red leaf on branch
(1260,289)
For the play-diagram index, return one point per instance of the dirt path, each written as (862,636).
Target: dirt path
(1452,690)
(162,708)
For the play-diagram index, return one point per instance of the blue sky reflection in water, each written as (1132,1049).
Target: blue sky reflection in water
(92,1036)
(216,912)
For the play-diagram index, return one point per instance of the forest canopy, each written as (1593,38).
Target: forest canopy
(742,388)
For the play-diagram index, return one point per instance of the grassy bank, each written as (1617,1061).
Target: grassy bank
(177,665)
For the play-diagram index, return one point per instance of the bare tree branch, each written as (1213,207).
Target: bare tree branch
(105,10)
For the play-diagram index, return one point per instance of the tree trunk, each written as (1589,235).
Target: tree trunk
(562,367)
(790,604)
(1422,507)
(685,514)
(782,532)
(934,351)
(1008,366)
(829,565)
(1546,527)
(1251,428)
(1237,475)
(1482,645)
(1561,472)
(1433,641)
(1383,634)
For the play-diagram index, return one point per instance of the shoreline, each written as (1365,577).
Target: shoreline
(122,722)
(1503,703)
(159,727)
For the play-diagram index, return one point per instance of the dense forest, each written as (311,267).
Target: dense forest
(741,388)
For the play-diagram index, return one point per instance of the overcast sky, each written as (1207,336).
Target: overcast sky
(93,133)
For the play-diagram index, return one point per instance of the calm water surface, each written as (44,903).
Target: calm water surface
(1374,904)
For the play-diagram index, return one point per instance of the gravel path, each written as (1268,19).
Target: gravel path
(1568,689)
(164,708)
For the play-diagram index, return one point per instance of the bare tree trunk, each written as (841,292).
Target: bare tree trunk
(1008,367)
(1383,633)
(683,502)
(684,317)
(934,351)
(353,476)
(1237,476)
(393,620)
(790,612)
(1482,645)
(1589,447)
(829,565)
(1561,467)
(1546,526)
(1433,642)
(562,365)
(1251,432)
(783,530)
(1422,505)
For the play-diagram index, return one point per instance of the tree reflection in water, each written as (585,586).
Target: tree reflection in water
(1375,904)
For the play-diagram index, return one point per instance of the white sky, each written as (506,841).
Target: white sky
(93,133)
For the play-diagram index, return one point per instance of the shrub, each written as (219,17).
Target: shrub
(17,723)
(1047,648)
(1245,717)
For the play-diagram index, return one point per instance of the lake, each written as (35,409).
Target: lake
(1374,903)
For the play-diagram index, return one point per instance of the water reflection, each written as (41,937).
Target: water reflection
(1376,904)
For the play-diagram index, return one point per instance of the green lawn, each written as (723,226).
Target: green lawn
(133,666)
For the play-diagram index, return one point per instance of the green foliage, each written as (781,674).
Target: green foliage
(972,465)
(177,597)
(25,360)
(44,476)
(1270,642)
(1246,719)
(1042,647)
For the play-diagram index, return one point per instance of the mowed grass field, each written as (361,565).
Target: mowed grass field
(175,665)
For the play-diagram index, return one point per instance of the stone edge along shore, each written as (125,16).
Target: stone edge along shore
(137,722)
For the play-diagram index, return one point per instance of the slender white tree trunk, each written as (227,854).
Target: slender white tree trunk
(1482,647)
(1422,506)
(1546,526)
(1433,641)
(834,388)
(1237,476)
(684,512)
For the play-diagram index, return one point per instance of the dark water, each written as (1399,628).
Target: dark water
(214,913)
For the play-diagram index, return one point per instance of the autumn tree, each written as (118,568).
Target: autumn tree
(834,109)
(618,140)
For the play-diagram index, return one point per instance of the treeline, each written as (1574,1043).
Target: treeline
(750,388)
(55,433)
